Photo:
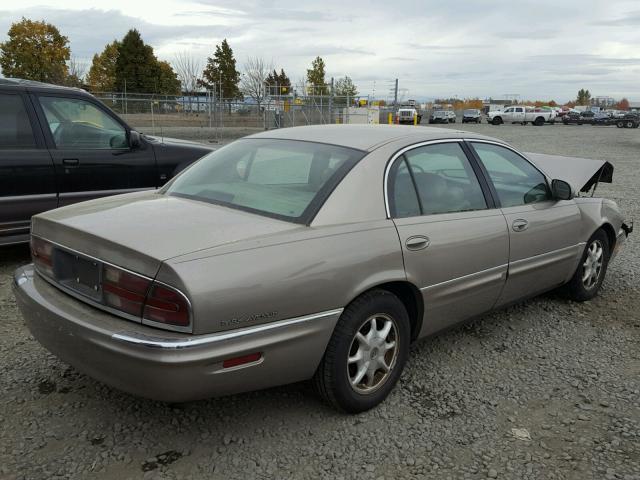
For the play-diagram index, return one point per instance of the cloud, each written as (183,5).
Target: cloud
(435,49)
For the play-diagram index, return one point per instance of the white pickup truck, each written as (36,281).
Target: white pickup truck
(521,114)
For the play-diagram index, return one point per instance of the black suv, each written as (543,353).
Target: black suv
(60,145)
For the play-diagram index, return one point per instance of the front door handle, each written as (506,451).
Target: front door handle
(417,242)
(70,162)
(520,225)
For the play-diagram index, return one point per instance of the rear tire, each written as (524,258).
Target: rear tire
(586,281)
(629,124)
(620,124)
(355,348)
(538,122)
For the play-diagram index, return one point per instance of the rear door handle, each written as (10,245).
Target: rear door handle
(520,225)
(417,242)
(71,162)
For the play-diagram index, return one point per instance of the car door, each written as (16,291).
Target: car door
(27,176)
(544,234)
(518,114)
(90,150)
(454,242)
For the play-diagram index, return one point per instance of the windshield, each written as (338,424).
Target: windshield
(285,179)
(440,113)
(470,112)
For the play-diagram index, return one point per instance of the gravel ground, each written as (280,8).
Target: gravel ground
(548,389)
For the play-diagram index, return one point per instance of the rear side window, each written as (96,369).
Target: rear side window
(15,127)
(516,181)
(443,178)
(78,124)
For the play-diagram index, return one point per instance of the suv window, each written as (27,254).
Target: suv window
(76,123)
(516,181)
(443,178)
(15,127)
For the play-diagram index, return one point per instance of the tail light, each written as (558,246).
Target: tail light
(166,305)
(41,254)
(124,291)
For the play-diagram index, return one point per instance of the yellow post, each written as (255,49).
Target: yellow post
(415,119)
(390,118)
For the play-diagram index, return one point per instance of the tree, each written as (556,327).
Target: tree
(345,87)
(623,104)
(220,73)
(35,51)
(102,74)
(584,97)
(188,69)
(315,77)
(137,68)
(254,80)
(279,83)
(76,72)
(168,83)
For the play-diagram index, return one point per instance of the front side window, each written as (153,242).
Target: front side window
(78,124)
(444,180)
(284,179)
(516,181)
(15,128)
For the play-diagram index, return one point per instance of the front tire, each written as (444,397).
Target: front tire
(366,353)
(588,278)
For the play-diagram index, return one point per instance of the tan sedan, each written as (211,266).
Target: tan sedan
(313,252)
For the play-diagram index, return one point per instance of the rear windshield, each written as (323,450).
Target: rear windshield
(284,179)
(439,114)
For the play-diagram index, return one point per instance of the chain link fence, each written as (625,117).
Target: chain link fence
(204,117)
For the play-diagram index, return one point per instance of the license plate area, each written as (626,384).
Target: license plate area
(78,273)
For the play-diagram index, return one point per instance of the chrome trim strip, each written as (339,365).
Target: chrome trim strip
(180,343)
(401,152)
(504,266)
(27,198)
(90,301)
(103,193)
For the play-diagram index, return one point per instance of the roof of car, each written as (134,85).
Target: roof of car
(32,85)
(364,137)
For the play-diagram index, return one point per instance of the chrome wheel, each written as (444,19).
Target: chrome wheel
(592,266)
(373,353)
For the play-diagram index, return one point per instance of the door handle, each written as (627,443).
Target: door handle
(417,242)
(71,162)
(520,225)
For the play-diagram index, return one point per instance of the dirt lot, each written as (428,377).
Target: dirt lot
(567,373)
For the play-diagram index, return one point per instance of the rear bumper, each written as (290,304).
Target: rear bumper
(163,365)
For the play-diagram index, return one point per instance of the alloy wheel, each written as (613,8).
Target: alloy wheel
(592,266)
(373,353)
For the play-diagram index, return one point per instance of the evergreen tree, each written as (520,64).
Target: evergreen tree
(279,80)
(584,97)
(168,82)
(315,77)
(220,73)
(35,51)
(137,68)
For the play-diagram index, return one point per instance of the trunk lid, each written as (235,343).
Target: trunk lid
(139,231)
(580,173)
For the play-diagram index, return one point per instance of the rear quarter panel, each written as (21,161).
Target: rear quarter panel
(310,271)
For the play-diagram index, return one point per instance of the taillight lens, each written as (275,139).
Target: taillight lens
(124,291)
(166,305)
(41,254)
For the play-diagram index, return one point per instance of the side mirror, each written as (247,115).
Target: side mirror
(134,139)
(561,190)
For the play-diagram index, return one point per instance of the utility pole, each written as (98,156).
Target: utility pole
(395,95)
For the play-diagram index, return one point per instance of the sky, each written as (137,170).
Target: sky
(437,49)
